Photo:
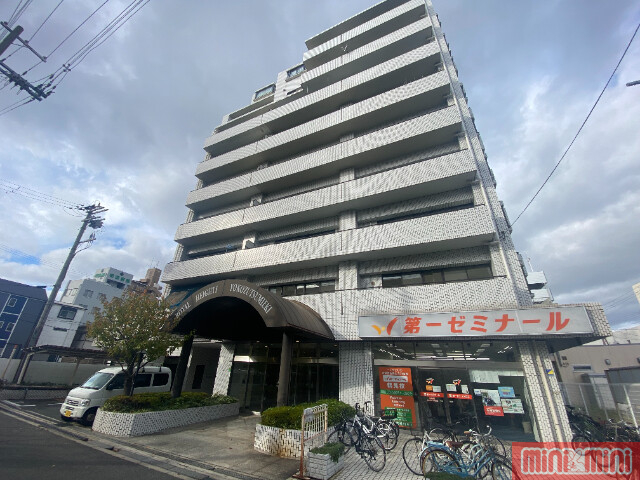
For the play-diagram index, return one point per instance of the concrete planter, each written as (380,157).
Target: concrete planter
(321,467)
(137,424)
(279,442)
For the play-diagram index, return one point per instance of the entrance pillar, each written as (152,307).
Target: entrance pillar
(223,374)
(181,369)
(285,370)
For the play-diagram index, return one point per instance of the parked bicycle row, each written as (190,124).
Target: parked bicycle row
(439,449)
(587,429)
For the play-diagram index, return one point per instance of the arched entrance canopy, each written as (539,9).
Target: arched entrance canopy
(239,310)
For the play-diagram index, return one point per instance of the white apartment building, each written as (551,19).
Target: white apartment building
(345,239)
(89,293)
(62,325)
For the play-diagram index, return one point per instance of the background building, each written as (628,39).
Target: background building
(89,293)
(21,306)
(64,327)
(345,239)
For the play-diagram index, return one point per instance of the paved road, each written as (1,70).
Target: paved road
(29,452)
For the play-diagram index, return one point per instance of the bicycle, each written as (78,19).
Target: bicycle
(414,447)
(384,426)
(478,461)
(367,445)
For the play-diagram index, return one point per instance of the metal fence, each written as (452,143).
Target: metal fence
(313,431)
(602,400)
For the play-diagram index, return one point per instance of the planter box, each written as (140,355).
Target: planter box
(321,467)
(279,441)
(136,424)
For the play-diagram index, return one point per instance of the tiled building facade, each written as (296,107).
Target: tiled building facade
(356,184)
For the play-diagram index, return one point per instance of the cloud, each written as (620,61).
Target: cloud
(127,126)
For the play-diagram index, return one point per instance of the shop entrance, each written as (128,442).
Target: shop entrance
(460,385)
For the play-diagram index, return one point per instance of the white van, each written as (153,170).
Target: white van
(83,402)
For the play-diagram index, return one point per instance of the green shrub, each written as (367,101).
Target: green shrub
(291,417)
(153,402)
(333,449)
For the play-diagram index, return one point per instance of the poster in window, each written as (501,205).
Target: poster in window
(451,387)
(437,388)
(464,389)
(396,391)
(506,392)
(491,403)
(512,405)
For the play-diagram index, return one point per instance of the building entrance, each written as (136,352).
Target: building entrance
(254,374)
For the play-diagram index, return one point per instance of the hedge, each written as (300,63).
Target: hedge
(152,402)
(291,417)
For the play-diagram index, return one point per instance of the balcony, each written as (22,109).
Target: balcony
(367,32)
(373,81)
(445,173)
(401,138)
(451,230)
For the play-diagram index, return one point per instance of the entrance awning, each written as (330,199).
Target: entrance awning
(239,310)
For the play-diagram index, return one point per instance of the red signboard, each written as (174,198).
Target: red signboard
(493,411)
(460,396)
(396,391)
(432,394)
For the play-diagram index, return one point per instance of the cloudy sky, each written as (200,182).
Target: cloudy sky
(126,126)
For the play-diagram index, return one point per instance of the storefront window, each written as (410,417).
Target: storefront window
(458,384)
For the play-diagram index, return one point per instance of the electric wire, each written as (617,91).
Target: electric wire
(46,263)
(78,27)
(12,187)
(581,127)
(45,20)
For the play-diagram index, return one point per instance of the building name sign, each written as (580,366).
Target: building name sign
(252,294)
(530,321)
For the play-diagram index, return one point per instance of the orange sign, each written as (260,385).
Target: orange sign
(396,391)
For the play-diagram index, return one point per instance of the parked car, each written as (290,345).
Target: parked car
(82,403)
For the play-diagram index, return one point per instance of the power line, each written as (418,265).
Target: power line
(580,129)
(78,27)
(45,20)
(36,260)
(12,187)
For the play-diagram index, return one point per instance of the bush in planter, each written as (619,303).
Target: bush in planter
(152,402)
(334,449)
(291,417)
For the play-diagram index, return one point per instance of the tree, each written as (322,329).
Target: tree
(134,329)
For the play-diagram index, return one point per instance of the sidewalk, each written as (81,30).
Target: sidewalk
(218,450)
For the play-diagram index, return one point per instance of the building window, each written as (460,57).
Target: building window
(67,312)
(263,92)
(607,361)
(304,288)
(59,329)
(295,71)
(10,326)
(581,368)
(88,293)
(446,275)
(12,302)
(1,324)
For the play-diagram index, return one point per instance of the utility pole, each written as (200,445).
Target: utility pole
(93,220)
(37,92)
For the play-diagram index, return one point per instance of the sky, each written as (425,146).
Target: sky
(127,125)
